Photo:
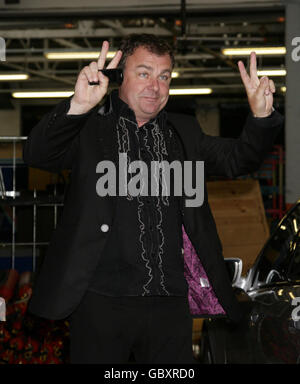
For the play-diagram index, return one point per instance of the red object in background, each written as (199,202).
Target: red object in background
(8,356)
(53,360)
(16,327)
(4,335)
(25,338)
(21,360)
(8,284)
(17,343)
(46,353)
(57,348)
(24,292)
(31,345)
(20,307)
(25,285)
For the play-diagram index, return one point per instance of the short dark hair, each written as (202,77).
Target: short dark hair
(151,42)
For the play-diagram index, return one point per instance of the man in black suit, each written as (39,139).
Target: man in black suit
(114,265)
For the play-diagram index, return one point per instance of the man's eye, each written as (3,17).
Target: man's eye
(143,74)
(164,77)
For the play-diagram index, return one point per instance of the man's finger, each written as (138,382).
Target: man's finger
(103,54)
(103,80)
(244,74)
(272,86)
(253,68)
(115,61)
(94,70)
(263,87)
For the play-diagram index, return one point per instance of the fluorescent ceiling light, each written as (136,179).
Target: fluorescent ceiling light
(272,72)
(257,50)
(174,91)
(190,91)
(37,94)
(13,76)
(76,55)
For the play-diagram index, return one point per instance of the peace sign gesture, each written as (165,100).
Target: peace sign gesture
(86,96)
(259,92)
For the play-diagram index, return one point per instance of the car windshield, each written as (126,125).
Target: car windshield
(278,255)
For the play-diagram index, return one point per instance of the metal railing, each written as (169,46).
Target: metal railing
(14,198)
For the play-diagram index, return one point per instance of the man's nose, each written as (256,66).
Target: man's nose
(154,84)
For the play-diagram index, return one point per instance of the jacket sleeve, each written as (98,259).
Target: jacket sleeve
(235,157)
(53,142)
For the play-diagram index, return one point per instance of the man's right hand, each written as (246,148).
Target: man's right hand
(87,96)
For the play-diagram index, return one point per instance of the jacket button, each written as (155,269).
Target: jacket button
(104,228)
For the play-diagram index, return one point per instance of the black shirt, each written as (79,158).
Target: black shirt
(143,254)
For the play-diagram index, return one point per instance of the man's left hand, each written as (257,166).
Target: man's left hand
(259,91)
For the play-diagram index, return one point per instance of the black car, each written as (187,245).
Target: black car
(270,296)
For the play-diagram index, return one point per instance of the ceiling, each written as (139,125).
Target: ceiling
(198,30)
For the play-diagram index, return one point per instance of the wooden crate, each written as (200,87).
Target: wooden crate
(239,213)
(6,150)
(39,179)
(197,330)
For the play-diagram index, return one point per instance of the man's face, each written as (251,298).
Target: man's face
(146,82)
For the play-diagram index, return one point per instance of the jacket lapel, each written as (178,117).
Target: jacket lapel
(107,149)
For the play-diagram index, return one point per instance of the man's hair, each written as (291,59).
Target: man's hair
(152,43)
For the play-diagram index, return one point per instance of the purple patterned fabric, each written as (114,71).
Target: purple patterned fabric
(202,299)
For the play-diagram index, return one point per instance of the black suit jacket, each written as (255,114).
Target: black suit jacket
(79,142)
